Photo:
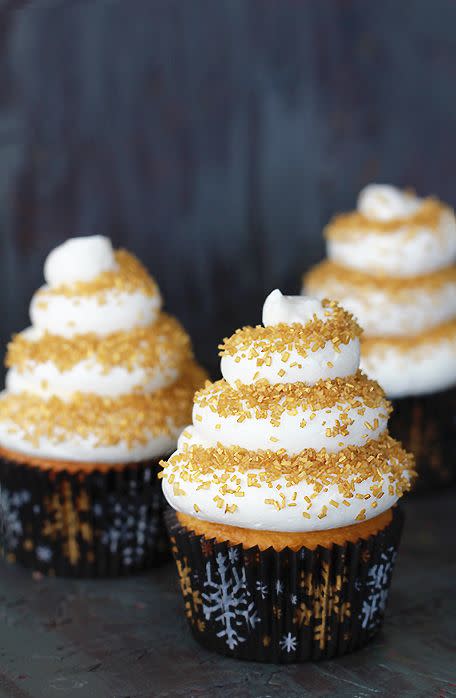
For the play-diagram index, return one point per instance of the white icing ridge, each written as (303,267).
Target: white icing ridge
(297,369)
(69,316)
(418,370)
(209,429)
(255,434)
(87,377)
(399,253)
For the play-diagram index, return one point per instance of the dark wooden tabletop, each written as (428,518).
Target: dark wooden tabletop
(128,637)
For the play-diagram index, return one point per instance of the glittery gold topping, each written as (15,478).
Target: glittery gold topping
(145,346)
(329,276)
(354,224)
(415,344)
(260,342)
(130,418)
(263,400)
(130,276)
(220,466)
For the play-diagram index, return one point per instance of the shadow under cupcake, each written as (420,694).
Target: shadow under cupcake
(284,521)
(97,390)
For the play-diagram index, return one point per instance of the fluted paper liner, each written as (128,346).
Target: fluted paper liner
(286,606)
(426,426)
(85,523)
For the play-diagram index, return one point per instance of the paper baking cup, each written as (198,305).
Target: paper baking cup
(82,524)
(286,606)
(426,426)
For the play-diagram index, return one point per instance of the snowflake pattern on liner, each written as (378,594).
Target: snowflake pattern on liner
(288,643)
(377,584)
(43,553)
(262,588)
(228,601)
(131,531)
(10,517)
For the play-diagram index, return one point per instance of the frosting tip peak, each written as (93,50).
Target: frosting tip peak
(79,259)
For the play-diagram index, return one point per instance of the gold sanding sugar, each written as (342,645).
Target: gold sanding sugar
(263,400)
(424,341)
(131,418)
(346,469)
(144,346)
(354,224)
(130,276)
(260,342)
(330,275)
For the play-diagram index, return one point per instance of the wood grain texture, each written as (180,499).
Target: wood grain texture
(128,638)
(212,138)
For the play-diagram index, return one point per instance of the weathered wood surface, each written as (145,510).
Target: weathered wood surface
(214,139)
(128,637)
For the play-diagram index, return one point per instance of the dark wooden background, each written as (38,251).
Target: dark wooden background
(213,138)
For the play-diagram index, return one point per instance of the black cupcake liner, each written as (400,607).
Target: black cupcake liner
(286,606)
(82,524)
(426,426)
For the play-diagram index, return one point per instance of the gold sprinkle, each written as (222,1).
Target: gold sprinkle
(146,347)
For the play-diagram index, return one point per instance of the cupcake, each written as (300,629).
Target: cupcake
(97,391)
(392,264)
(283,491)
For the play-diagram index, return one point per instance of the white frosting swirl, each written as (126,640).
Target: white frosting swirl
(296,430)
(405,247)
(79,259)
(279,309)
(326,362)
(61,309)
(382,202)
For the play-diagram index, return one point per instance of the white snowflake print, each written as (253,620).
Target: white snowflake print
(293,599)
(279,587)
(10,517)
(43,553)
(130,532)
(377,584)
(288,643)
(228,600)
(262,588)
(233,554)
